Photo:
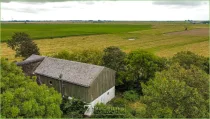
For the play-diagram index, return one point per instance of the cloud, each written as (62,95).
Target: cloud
(26,10)
(30,10)
(64,6)
(180,3)
(34,1)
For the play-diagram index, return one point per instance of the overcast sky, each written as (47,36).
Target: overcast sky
(104,10)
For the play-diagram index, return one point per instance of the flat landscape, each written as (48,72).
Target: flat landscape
(162,38)
(104,59)
(57,30)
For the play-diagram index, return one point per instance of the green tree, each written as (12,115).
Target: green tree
(114,58)
(140,67)
(187,58)
(174,93)
(193,77)
(23,45)
(22,97)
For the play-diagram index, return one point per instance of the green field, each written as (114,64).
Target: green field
(41,31)
(162,38)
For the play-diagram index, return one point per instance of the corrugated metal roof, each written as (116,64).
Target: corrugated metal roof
(31,59)
(74,72)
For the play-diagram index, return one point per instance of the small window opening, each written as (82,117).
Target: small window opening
(50,82)
(108,93)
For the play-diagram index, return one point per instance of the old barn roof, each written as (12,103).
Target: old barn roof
(31,59)
(74,72)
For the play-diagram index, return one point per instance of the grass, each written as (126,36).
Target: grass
(154,39)
(41,31)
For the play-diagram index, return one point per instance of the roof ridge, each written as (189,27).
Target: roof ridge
(76,62)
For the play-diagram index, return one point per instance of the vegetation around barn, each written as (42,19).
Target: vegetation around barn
(147,84)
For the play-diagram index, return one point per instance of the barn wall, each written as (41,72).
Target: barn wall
(68,89)
(105,97)
(28,69)
(46,80)
(104,81)
(75,91)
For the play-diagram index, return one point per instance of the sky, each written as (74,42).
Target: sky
(104,10)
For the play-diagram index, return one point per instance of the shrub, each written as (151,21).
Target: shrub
(72,108)
(85,56)
(119,102)
(137,109)
(105,111)
(131,95)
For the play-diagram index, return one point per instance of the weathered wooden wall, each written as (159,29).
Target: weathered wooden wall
(28,69)
(75,91)
(68,89)
(46,80)
(104,81)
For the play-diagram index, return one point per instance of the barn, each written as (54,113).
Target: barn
(90,83)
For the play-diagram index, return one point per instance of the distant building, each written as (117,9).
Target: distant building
(90,83)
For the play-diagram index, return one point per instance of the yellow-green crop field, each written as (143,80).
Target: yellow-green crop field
(162,38)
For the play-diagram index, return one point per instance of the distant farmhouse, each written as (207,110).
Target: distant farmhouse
(90,83)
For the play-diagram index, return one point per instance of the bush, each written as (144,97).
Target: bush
(105,111)
(137,109)
(119,102)
(85,56)
(131,95)
(72,108)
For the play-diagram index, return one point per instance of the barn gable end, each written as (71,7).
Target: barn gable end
(30,64)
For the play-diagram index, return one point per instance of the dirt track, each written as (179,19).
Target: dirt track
(194,32)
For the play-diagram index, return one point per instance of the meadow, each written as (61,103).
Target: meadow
(41,31)
(162,38)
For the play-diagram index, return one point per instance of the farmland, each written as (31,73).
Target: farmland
(40,31)
(162,38)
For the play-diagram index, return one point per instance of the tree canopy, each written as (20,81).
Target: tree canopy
(23,45)
(114,58)
(22,97)
(140,67)
(177,93)
(187,58)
